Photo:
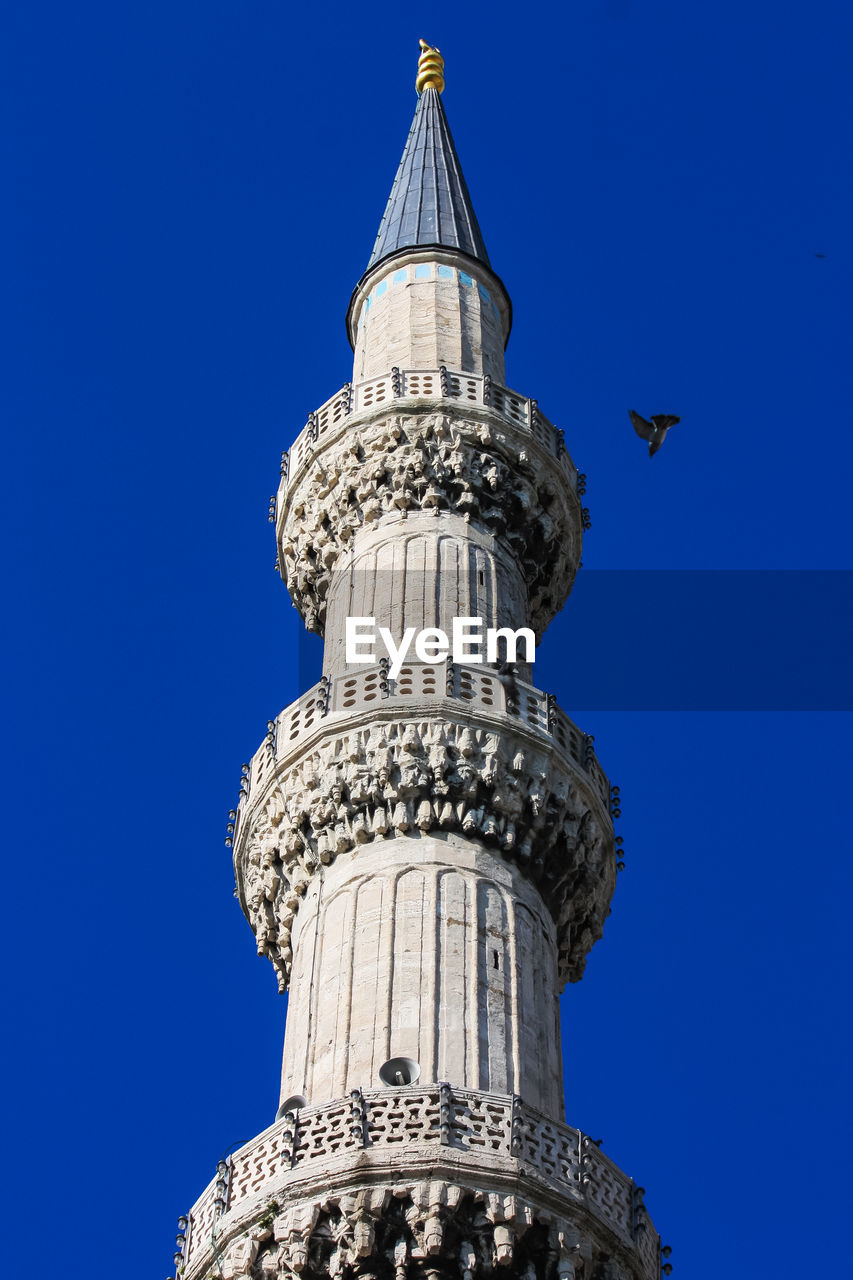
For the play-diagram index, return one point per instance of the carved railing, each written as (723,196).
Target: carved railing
(340,698)
(480,1124)
(431,384)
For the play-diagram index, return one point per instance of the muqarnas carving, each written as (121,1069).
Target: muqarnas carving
(404,777)
(495,477)
(433,1230)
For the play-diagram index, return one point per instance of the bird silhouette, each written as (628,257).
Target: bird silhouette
(654,431)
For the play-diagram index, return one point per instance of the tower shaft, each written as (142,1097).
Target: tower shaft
(424,848)
(431,949)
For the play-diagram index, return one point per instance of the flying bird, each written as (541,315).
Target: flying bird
(654,431)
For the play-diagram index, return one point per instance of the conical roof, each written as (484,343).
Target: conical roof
(429,202)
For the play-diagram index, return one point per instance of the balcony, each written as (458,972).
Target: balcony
(443,748)
(393,389)
(474,1139)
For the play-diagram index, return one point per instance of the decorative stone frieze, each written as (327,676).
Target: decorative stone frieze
(430,1229)
(378,470)
(436,1229)
(403,776)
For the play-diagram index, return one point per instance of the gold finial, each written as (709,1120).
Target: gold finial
(430,69)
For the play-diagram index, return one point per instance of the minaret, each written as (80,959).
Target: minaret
(425,850)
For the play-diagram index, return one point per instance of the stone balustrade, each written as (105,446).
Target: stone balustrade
(459,687)
(401,385)
(406,1124)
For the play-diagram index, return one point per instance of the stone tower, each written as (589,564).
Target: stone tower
(425,854)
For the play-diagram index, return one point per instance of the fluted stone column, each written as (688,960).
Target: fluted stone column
(431,949)
(422,571)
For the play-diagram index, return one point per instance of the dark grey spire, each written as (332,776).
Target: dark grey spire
(429,202)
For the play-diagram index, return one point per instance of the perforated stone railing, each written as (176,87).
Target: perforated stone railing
(479,1123)
(453,686)
(432,384)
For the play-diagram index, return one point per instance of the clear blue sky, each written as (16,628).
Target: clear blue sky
(192,190)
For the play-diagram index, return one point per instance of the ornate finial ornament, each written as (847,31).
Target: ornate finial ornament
(430,69)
